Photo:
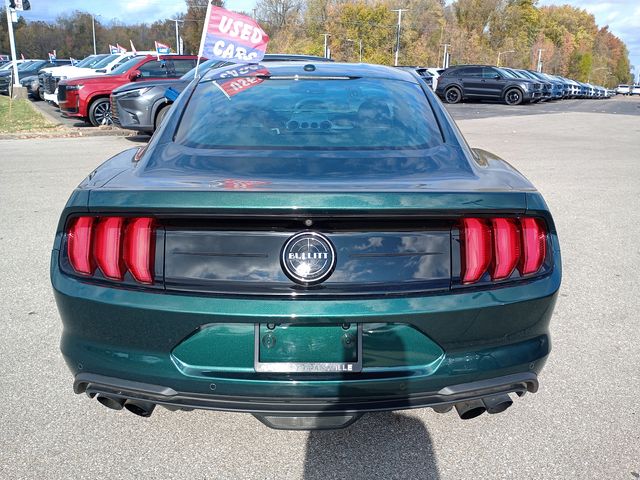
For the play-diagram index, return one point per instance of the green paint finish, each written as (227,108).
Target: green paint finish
(225,346)
(272,202)
(230,347)
(399,346)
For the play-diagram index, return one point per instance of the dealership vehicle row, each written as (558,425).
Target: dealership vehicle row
(135,90)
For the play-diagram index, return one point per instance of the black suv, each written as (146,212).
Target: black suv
(484,82)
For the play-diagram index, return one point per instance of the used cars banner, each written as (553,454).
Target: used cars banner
(232,37)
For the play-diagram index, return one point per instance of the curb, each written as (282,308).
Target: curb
(61,130)
(47,116)
(65,132)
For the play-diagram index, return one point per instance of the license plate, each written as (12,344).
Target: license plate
(287,348)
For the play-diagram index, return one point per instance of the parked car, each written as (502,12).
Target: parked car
(484,82)
(306,241)
(634,90)
(557,86)
(623,89)
(25,69)
(104,66)
(31,80)
(422,72)
(546,86)
(88,98)
(142,106)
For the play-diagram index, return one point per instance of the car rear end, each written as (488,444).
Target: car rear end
(305,290)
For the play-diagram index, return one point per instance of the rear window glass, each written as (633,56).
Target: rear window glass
(311,113)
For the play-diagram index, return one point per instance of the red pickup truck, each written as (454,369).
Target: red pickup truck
(88,97)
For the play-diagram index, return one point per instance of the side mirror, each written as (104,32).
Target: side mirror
(134,75)
(497,76)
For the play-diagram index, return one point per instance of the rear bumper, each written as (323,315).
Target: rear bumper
(122,343)
(93,384)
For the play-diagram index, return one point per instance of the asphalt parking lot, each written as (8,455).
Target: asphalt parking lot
(583,423)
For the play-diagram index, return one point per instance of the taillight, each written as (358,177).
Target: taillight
(534,241)
(108,247)
(499,245)
(138,249)
(114,245)
(79,245)
(506,247)
(476,238)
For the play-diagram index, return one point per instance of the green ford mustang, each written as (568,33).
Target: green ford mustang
(306,242)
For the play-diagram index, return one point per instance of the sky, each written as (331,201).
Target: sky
(622,16)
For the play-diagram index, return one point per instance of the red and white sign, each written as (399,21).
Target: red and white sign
(232,37)
(239,81)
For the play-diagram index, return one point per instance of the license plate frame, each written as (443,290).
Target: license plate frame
(308,366)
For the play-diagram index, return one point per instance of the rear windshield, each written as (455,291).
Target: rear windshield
(311,113)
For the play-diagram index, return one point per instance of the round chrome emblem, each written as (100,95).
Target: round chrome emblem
(308,258)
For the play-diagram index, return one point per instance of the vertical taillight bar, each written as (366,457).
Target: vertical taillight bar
(79,245)
(108,247)
(139,249)
(506,247)
(534,241)
(476,256)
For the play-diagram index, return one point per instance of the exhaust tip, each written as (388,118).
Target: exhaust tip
(110,402)
(471,409)
(142,409)
(497,403)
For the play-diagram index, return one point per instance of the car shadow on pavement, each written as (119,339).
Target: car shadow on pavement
(379,445)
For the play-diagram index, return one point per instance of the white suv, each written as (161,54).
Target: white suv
(623,90)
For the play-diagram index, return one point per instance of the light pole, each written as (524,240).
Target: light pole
(399,10)
(12,43)
(503,53)
(359,46)
(326,43)
(539,69)
(93,28)
(444,56)
(177,33)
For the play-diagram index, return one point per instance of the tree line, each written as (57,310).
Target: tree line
(566,39)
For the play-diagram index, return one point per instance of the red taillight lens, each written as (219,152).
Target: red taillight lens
(503,243)
(108,247)
(139,249)
(506,247)
(476,255)
(534,245)
(114,244)
(79,245)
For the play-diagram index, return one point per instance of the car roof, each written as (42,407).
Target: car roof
(321,69)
